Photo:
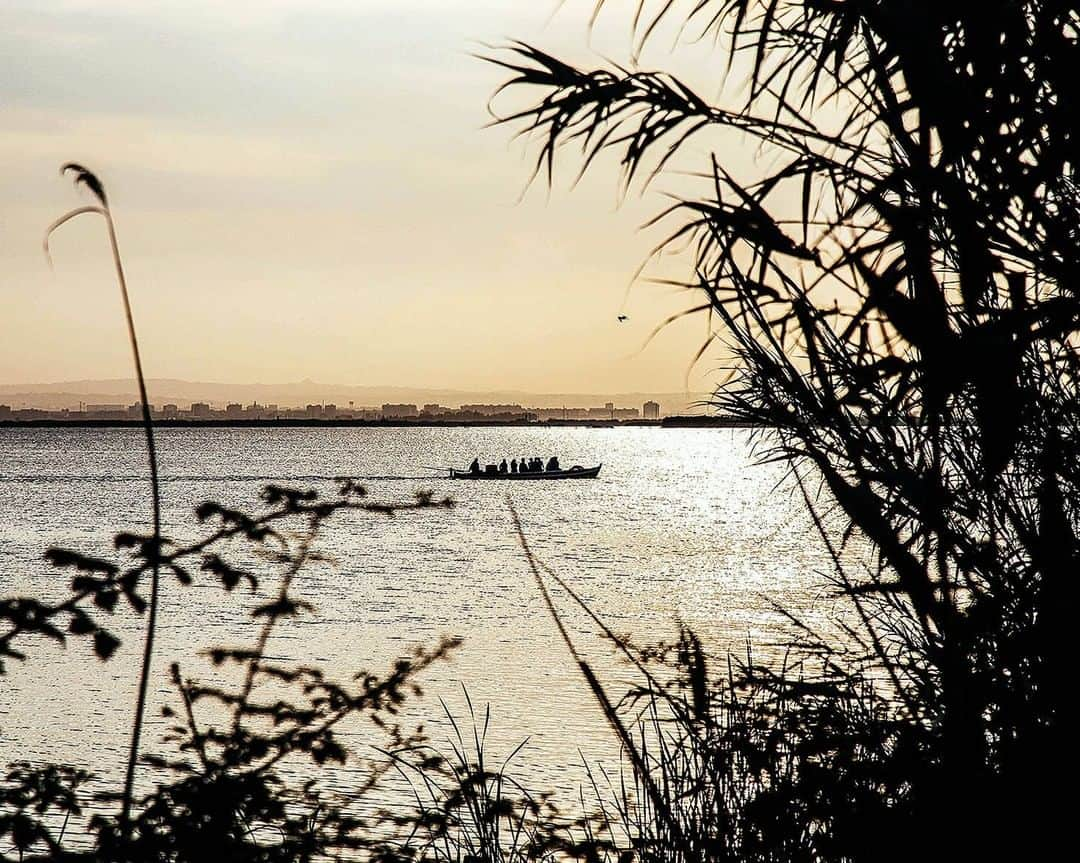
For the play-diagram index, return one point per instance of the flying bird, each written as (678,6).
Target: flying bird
(622,318)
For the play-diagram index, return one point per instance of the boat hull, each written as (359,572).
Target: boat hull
(580,473)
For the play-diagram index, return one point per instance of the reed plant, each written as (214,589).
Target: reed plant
(896,283)
(468,808)
(86,178)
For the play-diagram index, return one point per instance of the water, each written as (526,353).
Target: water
(681,525)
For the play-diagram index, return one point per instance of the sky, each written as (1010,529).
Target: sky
(308,189)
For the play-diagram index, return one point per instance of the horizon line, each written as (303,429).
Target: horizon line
(28,386)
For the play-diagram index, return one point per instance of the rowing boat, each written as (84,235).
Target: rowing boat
(575,472)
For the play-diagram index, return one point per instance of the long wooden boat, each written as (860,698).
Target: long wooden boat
(575,472)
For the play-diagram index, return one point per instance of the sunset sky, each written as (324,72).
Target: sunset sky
(306,190)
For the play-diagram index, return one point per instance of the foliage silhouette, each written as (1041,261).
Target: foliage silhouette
(29,795)
(468,809)
(224,791)
(898,286)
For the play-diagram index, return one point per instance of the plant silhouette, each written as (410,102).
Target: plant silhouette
(897,286)
(223,792)
(83,176)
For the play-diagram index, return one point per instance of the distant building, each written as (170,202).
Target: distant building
(170,411)
(234,409)
(491,410)
(200,410)
(650,410)
(104,409)
(563,413)
(399,411)
(5,410)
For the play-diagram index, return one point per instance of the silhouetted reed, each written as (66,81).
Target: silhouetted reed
(897,285)
(87,178)
(467,808)
(756,765)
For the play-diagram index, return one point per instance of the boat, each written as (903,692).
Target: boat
(575,472)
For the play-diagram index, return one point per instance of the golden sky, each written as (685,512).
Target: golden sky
(306,190)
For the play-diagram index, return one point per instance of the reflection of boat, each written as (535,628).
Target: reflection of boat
(575,472)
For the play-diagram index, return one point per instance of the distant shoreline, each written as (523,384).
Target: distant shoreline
(666,422)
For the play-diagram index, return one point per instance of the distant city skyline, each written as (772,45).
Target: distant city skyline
(75,395)
(395,412)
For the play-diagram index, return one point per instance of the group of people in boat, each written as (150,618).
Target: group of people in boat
(531,465)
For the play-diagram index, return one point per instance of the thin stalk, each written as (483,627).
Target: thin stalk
(155,578)
(272,621)
(641,767)
(90,180)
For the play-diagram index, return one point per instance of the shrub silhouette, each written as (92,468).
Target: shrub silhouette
(223,792)
(897,285)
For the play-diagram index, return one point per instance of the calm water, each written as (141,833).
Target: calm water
(681,525)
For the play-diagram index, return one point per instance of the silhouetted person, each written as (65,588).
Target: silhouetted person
(513,465)
(538,465)
(523,466)
(553,463)
(475,466)
(502,466)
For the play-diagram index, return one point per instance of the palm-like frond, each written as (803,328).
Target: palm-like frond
(901,297)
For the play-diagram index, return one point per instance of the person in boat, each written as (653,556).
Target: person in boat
(523,466)
(553,463)
(475,466)
(502,466)
(538,465)
(513,465)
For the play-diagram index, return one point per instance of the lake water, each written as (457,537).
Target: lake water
(680,525)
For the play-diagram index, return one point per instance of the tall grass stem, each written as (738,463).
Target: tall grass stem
(90,180)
